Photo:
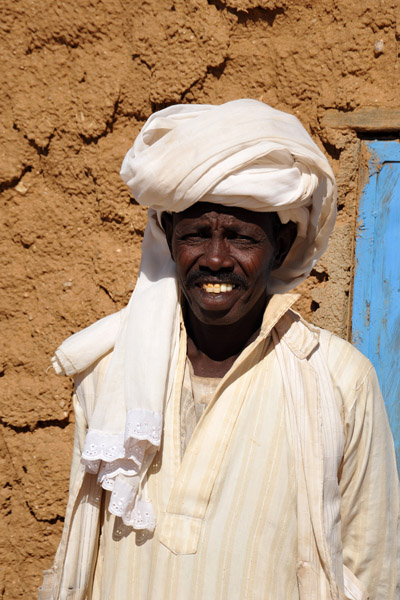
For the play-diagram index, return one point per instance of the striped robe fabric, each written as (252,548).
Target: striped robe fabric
(232,520)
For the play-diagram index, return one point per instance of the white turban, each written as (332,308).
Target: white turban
(242,153)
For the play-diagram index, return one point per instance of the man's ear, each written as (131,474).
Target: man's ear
(167,223)
(285,237)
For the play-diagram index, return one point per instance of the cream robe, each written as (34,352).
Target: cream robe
(222,532)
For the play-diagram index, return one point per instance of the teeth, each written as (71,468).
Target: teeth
(217,288)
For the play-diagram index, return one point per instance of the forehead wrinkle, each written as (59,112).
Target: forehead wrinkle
(215,215)
(215,220)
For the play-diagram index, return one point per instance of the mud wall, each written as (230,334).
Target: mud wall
(79,78)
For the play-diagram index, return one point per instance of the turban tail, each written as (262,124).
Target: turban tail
(244,154)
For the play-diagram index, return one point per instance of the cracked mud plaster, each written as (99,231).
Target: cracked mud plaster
(251,10)
(78,81)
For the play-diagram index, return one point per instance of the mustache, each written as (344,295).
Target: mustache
(199,277)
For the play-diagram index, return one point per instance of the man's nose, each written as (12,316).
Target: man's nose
(216,255)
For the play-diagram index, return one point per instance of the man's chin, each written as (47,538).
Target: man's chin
(217,316)
(209,307)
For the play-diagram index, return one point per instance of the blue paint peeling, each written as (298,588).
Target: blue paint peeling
(376,299)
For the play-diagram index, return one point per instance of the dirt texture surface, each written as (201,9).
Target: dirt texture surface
(79,78)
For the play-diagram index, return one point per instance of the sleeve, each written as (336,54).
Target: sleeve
(70,574)
(370,494)
(51,587)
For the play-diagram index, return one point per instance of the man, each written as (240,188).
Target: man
(226,449)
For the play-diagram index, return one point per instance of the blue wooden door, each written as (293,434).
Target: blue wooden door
(376,299)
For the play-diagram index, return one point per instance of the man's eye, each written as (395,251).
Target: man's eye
(240,237)
(194,235)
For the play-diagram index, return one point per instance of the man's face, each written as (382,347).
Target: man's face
(223,257)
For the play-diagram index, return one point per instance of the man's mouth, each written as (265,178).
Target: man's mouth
(217,288)
(216,284)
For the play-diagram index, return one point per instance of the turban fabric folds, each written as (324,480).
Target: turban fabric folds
(244,154)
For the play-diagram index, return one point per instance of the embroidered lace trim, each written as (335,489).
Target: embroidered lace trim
(142,427)
(128,454)
(125,503)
